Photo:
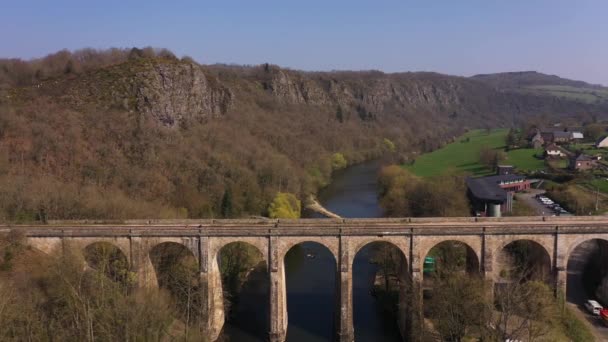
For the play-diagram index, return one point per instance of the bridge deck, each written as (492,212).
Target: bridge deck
(320,227)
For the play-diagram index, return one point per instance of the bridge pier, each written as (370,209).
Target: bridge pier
(346,331)
(278,293)
(210,281)
(141,263)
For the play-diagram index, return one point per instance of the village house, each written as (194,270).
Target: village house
(544,137)
(602,142)
(582,163)
(537,140)
(554,151)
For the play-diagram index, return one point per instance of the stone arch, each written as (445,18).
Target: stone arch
(541,269)
(97,250)
(472,262)
(190,243)
(217,243)
(357,243)
(573,241)
(122,243)
(332,243)
(157,254)
(586,266)
(473,243)
(546,241)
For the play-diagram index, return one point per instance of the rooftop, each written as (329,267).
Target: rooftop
(565,135)
(582,157)
(488,188)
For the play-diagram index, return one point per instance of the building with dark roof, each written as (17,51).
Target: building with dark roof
(493,195)
(562,137)
(582,162)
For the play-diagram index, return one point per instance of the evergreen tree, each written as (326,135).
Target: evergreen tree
(226,208)
(339,114)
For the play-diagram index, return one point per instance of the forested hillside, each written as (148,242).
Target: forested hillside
(535,83)
(140,133)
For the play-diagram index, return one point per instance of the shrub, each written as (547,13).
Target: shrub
(338,161)
(284,205)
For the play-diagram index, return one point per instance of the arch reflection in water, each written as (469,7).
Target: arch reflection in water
(311,293)
(380,279)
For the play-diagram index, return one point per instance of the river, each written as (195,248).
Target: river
(311,276)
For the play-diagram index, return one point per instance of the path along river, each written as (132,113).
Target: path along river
(311,277)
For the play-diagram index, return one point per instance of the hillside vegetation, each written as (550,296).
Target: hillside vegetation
(530,82)
(140,133)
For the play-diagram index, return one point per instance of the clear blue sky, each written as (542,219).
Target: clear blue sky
(461,37)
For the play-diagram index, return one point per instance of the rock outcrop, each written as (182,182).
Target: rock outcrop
(173,93)
(176,92)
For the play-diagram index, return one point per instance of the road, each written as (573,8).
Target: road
(576,295)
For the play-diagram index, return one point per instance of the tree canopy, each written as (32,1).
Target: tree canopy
(285,205)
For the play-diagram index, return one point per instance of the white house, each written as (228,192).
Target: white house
(603,142)
(554,151)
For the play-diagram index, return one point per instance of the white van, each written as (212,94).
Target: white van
(593,307)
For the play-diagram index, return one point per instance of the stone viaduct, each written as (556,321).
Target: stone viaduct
(414,237)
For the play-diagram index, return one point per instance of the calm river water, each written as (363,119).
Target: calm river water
(311,277)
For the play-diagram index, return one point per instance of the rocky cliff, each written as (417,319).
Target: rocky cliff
(170,91)
(177,92)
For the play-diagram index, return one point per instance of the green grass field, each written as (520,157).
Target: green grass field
(524,159)
(462,156)
(459,156)
(598,183)
(590,95)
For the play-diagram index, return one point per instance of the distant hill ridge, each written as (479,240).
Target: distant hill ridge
(536,83)
(517,79)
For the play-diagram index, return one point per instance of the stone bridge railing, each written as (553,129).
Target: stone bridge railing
(414,237)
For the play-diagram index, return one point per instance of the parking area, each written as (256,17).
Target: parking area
(552,208)
(542,205)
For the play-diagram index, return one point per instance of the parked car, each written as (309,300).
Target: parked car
(593,307)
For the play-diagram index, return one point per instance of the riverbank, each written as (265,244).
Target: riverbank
(314,205)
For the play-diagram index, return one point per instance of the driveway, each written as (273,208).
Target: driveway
(576,295)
